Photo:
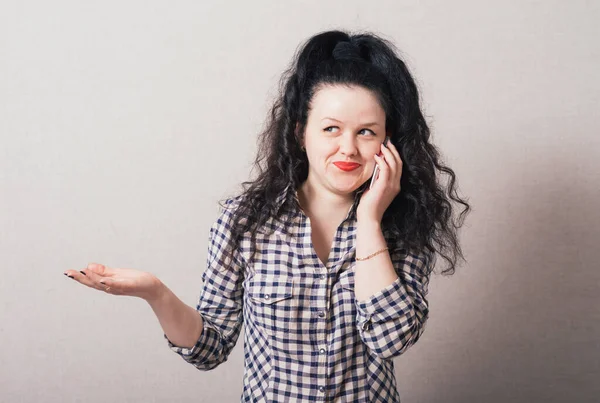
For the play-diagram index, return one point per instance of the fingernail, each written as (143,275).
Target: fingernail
(81,271)
(67,275)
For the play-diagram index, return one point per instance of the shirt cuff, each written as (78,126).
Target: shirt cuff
(196,349)
(386,305)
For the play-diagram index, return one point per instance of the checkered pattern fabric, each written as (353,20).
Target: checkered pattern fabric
(306,336)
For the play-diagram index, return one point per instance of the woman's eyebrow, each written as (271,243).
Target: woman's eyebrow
(362,124)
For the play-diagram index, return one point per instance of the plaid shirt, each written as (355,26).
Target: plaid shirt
(306,336)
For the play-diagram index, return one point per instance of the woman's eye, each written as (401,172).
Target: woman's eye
(331,129)
(372,132)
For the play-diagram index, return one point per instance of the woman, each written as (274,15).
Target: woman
(328,274)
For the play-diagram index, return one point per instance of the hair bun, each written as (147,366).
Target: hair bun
(345,50)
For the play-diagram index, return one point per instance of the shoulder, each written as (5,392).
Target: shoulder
(223,252)
(229,213)
(231,203)
(229,206)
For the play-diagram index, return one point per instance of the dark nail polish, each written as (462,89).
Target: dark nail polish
(81,271)
(68,275)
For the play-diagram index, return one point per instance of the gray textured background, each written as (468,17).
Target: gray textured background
(123,122)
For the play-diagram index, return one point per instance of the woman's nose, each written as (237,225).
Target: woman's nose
(348,145)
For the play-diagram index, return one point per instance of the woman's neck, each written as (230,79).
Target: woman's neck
(317,201)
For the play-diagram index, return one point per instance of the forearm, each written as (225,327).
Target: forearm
(376,273)
(390,292)
(180,322)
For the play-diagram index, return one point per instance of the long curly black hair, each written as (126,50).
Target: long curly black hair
(420,218)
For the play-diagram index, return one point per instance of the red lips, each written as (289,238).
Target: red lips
(346,166)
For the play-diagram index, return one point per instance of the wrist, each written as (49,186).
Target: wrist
(368,224)
(158,292)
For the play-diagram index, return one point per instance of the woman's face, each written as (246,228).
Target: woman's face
(345,124)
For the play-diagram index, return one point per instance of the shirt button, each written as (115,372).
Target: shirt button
(323,277)
(322,351)
(321,314)
(321,389)
(267,296)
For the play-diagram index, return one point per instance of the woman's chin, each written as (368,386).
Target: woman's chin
(347,186)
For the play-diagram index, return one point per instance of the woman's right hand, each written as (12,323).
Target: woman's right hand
(118,281)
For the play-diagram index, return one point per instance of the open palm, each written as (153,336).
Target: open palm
(117,281)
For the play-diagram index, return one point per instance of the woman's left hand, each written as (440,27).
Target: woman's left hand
(376,200)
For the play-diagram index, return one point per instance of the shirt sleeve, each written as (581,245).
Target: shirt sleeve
(394,318)
(221,299)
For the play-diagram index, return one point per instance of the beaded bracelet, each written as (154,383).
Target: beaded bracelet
(372,254)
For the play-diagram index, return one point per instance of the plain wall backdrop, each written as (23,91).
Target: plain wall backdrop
(122,123)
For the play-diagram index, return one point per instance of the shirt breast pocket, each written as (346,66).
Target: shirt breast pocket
(274,301)
(346,280)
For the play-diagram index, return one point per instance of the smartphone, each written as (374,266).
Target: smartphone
(376,170)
